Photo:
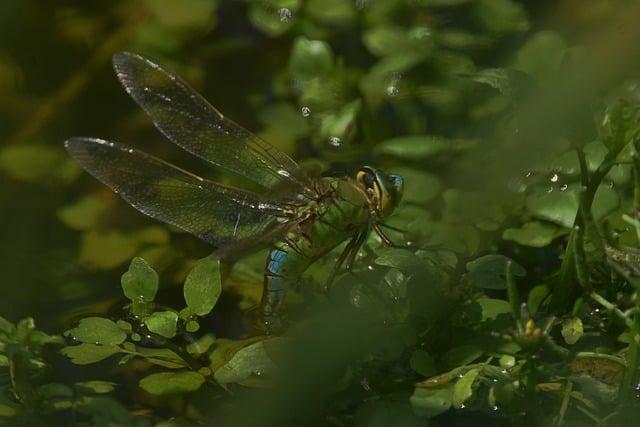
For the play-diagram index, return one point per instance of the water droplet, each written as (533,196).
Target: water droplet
(258,372)
(306,111)
(335,141)
(564,187)
(285,14)
(284,173)
(610,184)
(554,177)
(370,267)
(529,174)
(392,90)
(550,190)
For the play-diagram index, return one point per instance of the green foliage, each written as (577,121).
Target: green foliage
(510,299)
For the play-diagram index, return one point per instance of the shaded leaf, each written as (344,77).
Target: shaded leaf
(535,234)
(431,402)
(489,271)
(172,382)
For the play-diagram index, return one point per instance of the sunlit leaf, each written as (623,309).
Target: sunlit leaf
(85,354)
(98,330)
(140,282)
(572,330)
(463,389)
(162,323)
(203,286)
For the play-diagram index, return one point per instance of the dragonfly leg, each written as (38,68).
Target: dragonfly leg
(336,267)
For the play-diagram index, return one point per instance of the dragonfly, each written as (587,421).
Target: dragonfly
(298,218)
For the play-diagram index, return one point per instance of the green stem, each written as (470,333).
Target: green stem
(566,284)
(631,374)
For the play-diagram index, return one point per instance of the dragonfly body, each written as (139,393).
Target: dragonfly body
(298,218)
(341,212)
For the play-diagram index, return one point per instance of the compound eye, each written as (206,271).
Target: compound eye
(366,178)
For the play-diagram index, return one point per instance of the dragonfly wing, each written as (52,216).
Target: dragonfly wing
(219,215)
(188,120)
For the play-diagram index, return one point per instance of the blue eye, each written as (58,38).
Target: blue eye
(397,181)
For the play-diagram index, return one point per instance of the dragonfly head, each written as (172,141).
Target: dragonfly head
(384,190)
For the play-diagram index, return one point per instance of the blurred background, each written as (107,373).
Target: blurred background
(471,100)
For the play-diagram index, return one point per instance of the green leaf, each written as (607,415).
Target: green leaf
(273,18)
(489,271)
(423,363)
(85,354)
(203,286)
(492,308)
(331,12)
(402,259)
(97,330)
(462,355)
(502,16)
(246,362)
(463,388)
(85,214)
(186,15)
(572,330)
(340,124)
(431,402)
(162,323)
(534,234)
(542,55)
(95,387)
(310,59)
(37,163)
(421,147)
(509,82)
(391,40)
(106,250)
(140,282)
(8,409)
(419,187)
(161,357)
(172,382)
(536,295)
(561,207)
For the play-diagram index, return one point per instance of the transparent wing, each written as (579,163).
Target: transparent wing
(188,120)
(217,214)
